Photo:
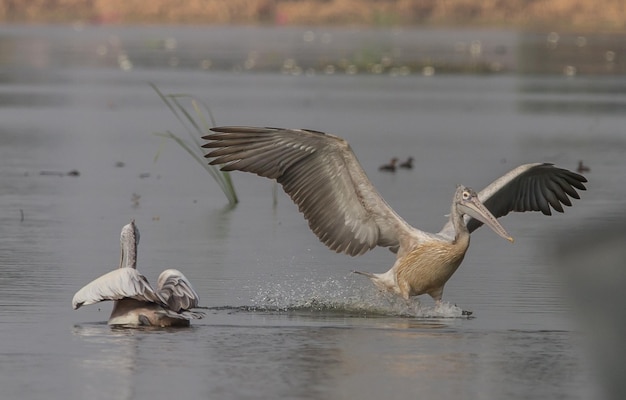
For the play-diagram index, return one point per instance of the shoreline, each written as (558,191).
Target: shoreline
(529,15)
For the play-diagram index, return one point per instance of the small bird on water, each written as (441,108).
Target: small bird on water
(135,302)
(408,164)
(323,177)
(582,167)
(391,167)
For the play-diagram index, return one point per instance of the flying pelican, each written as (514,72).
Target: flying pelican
(323,177)
(391,167)
(136,303)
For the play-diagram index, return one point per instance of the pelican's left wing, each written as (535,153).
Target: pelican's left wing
(116,285)
(175,290)
(322,176)
(529,187)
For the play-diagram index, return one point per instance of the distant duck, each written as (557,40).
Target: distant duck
(582,167)
(391,167)
(408,164)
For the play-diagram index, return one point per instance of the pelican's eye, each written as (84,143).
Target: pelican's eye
(466,195)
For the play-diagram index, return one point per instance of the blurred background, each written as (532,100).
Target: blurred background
(609,15)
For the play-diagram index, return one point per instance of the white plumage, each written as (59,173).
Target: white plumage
(136,302)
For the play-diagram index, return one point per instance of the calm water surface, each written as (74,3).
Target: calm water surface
(325,333)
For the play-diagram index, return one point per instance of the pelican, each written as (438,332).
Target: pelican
(135,302)
(391,167)
(323,177)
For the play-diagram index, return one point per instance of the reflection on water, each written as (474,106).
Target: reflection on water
(324,362)
(592,260)
(582,95)
(298,363)
(286,317)
(234,363)
(114,360)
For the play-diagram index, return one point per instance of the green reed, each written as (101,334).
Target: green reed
(196,125)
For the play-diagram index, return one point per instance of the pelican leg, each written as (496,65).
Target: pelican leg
(405,290)
(436,294)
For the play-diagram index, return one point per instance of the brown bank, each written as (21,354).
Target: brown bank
(604,15)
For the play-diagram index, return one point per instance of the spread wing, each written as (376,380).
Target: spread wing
(322,176)
(116,285)
(174,289)
(529,187)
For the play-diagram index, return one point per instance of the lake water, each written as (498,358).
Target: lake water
(286,317)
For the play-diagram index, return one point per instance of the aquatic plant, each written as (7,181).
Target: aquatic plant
(196,125)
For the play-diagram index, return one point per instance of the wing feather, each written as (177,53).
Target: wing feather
(555,196)
(175,290)
(529,187)
(322,176)
(116,285)
(541,198)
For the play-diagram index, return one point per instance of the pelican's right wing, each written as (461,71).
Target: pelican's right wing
(175,290)
(529,187)
(322,176)
(116,285)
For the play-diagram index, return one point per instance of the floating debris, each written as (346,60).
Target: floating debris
(52,173)
(73,172)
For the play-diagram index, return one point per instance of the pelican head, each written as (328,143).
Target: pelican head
(466,201)
(129,239)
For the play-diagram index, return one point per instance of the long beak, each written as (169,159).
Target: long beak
(476,209)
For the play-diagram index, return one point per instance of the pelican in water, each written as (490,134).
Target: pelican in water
(323,177)
(135,302)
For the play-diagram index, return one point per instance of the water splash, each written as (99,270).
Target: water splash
(343,296)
